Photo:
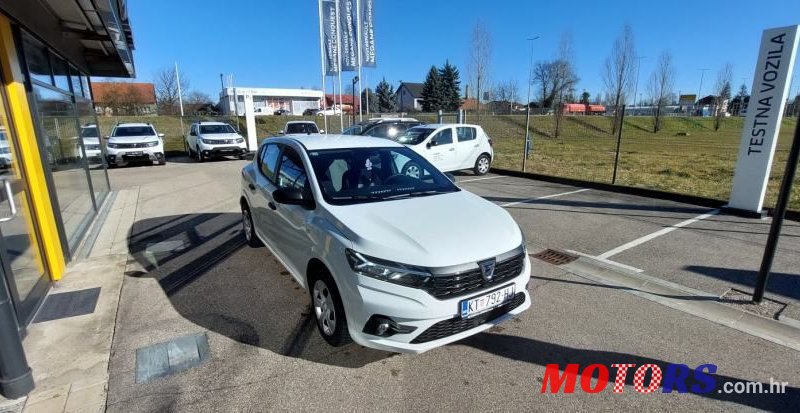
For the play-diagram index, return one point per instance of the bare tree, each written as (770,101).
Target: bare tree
(722,94)
(660,87)
(619,71)
(122,98)
(166,85)
(507,92)
(479,56)
(564,79)
(196,101)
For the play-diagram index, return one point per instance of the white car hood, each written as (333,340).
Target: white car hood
(91,141)
(132,139)
(431,231)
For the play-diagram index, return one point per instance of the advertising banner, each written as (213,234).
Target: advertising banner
(348,38)
(367,42)
(330,37)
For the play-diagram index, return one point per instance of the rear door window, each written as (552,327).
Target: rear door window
(269,160)
(466,133)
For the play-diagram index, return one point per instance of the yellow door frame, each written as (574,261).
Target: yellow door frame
(29,156)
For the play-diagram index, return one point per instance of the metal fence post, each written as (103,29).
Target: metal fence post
(777,217)
(619,139)
(440,116)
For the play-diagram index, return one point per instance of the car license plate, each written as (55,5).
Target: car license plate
(138,153)
(474,306)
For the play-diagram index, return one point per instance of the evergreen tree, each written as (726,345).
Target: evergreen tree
(585,97)
(432,91)
(386,96)
(451,87)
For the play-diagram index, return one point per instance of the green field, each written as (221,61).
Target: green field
(699,163)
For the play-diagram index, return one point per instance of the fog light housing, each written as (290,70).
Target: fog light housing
(382,326)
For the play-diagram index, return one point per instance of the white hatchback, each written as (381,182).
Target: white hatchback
(450,147)
(388,258)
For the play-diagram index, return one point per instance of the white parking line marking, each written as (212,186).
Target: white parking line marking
(656,234)
(481,179)
(542,197)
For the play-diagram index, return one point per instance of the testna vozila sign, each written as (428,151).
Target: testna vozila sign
(764,113)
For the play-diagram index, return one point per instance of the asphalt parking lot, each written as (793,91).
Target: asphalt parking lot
(191,272)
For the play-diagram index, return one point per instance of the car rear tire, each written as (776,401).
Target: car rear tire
(249,229)
(482,165)
(411,169)
(328,310)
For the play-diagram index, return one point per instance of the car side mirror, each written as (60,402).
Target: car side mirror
(322,131)
(432,142)
(292,196)
(160,135)
(450,176)
(192,133)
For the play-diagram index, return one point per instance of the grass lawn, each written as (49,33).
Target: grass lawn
(701,163)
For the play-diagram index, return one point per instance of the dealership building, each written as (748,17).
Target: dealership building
(51,193)
(265,101)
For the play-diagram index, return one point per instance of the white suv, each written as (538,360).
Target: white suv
(387,258)
(131,142)
(450,147)
(209,139)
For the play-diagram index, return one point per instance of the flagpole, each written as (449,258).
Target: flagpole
(358,46)
(178,79)
(339,55)
(322,65)
(366,97)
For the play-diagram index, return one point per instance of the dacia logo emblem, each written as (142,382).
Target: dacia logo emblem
(487,269)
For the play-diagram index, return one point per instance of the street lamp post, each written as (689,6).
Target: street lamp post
(353,109)
(527,143)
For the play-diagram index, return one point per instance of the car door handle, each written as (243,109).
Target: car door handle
(271,206)
(452,149)
(251,186)
(476,145)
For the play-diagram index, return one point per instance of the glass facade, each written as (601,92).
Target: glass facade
(68,136)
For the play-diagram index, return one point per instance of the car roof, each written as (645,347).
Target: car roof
(316,141)
(211,122)
(301,121)
(441,125)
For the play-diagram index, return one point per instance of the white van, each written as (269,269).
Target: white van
(449,147)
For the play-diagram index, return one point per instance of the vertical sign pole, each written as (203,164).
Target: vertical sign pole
(357,11)
(339,56)
(763,121)
(323,64)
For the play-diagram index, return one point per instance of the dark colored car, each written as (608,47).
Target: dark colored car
(282,112)
(382,128)
(310,112)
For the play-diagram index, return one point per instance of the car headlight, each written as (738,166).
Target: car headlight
(389,271)
(153,143)
(112,145)
(524,240)
(239,140)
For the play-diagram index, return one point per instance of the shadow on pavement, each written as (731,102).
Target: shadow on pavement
(600,205)
(213,279)
(542,353)
(781,284)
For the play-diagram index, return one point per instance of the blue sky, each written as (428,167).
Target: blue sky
(269,43)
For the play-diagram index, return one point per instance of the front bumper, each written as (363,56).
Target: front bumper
(418,310)
(223,150)
(124,156)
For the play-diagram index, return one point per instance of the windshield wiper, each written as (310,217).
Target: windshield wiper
(417,194)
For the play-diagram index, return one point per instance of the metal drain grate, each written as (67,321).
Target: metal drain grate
(163,359)
(69,304)
(554,257)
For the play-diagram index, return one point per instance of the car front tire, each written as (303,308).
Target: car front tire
(328,310)
(482,165)
(199,156)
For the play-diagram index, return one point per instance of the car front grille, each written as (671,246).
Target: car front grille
(92,147)
(455,285)
(219,141)
(457,325)
(132,145)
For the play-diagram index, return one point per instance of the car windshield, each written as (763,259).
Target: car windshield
(414,136)
(89,132)
(134,131)
(353,130)
(212,129)
(302,128)
(361,175)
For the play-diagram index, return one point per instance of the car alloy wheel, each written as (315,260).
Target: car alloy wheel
(200,157)
(411,169)
(324,307)
(482,165)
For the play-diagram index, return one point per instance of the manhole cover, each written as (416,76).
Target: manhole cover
(744,300)
(554,257)
(68,304)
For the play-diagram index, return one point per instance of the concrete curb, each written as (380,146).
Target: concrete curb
(688,300)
